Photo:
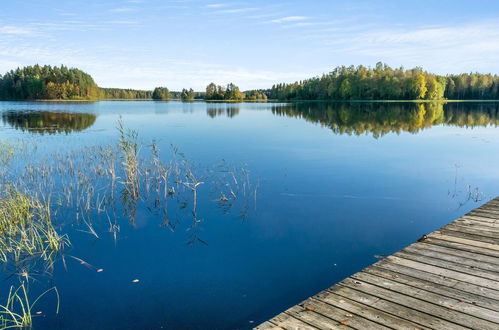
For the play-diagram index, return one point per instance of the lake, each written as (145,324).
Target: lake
(233,212)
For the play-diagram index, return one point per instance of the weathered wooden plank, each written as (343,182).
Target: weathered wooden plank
(267,326)
(459,247)
(448,265)
(286,321)
(481,219)
(342,317)
(439,279)
(486,226)
(474,237)
(484,213)
(489,207)
(480,281)
(378,310)
(465,261)
(493,204)
(362,309)
(409,309)
(450,315)
(439,288)
(464,239)
(429,296)
(474,256)
(314,318)
(456,226)
(447,280)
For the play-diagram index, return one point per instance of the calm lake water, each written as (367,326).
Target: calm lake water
(323,190)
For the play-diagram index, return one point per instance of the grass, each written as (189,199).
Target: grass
(79,188)
(18,310)
(93,187)
(26,230)
(128,143)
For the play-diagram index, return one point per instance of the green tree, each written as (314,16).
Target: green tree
(187,95)
(211,91)
(47,82)
(418,86)
(161,94)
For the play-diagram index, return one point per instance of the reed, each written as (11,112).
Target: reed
(18,311)
(26,230)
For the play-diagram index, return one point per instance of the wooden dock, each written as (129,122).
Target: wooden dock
(448,279)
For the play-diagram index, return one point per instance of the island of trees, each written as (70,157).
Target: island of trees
(47,82)
(161,94)
(342,84)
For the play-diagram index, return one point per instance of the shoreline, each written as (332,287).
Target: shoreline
(258,101)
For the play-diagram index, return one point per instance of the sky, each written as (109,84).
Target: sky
(254,44)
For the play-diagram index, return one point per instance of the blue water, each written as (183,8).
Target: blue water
(336,184)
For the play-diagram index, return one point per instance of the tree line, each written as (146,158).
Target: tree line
(343,83)
(385,83)
(124,94)
(47,82)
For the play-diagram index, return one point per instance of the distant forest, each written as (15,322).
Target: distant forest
(384,83)
(343,83)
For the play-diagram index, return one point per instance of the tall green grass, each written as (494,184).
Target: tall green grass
(18,311)
(26,229)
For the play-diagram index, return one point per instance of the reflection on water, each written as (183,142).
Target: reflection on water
(230,229)
(222,109)
(379,119)
(43,122)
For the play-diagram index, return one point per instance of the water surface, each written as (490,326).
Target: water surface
(335,185)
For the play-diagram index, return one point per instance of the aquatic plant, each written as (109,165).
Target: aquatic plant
(93,187)
(18,311)
(128,143)
(81,188)
(26,229)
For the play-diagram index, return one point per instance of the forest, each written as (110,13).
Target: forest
(232,93)
(384,83)
(124,94)
(48,82)
(343,83)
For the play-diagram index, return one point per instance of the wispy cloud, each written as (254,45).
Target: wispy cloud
(123,22)
(216,5)
(288,19)
(123,10)
(451,48)
(16,30)
(236,10)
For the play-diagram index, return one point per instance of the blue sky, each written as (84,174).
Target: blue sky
(189,43)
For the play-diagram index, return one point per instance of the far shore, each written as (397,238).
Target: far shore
(259,101)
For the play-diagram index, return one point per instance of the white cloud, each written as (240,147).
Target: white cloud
(289,19)
(442,49)
(216,5)
(122,10)
(235,11)
(16,30)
